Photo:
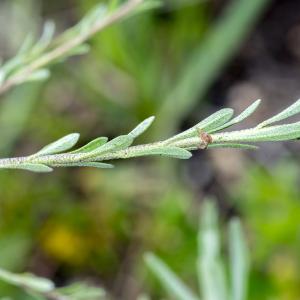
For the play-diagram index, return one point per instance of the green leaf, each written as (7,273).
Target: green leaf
(213,121)
(239,261)
(211,272)
(142,127)
(27,280)
(119,143)
(96,14)
(230,145)
(272,133)
(174,152)
(26,45)
(79,50)
(63,144)
(245,114)
(39,75)
(38,168)
(169,279)
(91,146)
(81,291)
(47,36)
(288,112)
(88,164)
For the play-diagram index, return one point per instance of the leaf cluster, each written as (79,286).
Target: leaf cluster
(213,282)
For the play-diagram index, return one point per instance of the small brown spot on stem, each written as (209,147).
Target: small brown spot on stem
(205,139)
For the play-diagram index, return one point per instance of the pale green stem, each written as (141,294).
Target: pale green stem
(62,49)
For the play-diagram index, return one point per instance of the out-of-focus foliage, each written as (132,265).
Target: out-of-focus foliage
(210,266)
(269,200)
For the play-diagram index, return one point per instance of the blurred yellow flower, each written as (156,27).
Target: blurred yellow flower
(64,244)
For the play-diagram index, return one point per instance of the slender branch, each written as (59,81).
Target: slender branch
(62,49)
(206,134)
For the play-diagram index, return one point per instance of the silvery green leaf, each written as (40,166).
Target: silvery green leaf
(211,273)
(79,50)
(96,14)
(46,37)
(88,164)
(245,114)
(170,281)
(239,261)
(27,280)
(174,152)
(38,168)
(91,146)
(288,112)
(266,134)
(26,45)
(118,143)
(142,127)
(81,291)
(230,145)
(213,121)
(39,75)
(60,145)
(12,65)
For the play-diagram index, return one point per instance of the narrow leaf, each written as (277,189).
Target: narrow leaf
(273,133)
(81,291)
(174,152)
(215,120)
(91,146)
(87,164)
(142,127)
(175,287)
(38,168)
(245,114)
(96,14)
(208,125)
(60,145)
(288,112)
(47,35)
(26,45)
(27,280)
(230,145)
(239,261)
(39,75)
(79,50)
(119,143)
(211,272)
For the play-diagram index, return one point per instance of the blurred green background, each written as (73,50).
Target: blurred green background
(180,62)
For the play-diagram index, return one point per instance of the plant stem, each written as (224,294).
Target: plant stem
(64,48)
(57,160)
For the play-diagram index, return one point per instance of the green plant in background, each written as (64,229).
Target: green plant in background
(32,60)
(42,288)
(201,136)
(268,198)
(211,267)
(213,282)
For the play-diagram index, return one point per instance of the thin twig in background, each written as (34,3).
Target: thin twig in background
(50,55)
